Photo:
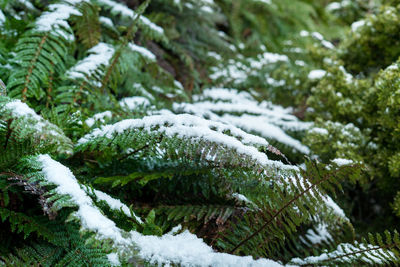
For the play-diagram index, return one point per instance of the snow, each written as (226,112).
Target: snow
(127,12)
(2,18)
(327,44)
(56,18)
(116,204)
(26,4)
(223,94)
(113,259)
(304,33)
(19,108)
(98,117)
(348,253)
(274,82)
(319,235)
(342,162)
(134,102)
(268,58)
(106,21)
(264,119)
(317,36)
(185,249)
(316,74)
(334,207)
(333,6)
(100,55)
(36,127)
(241,102)
(214,55)
(66,184)
(261,126)
(238,71)
(188,250)
(206,9)
(356,25)
(265,1)
(178,85)
(348,76)
(321,131)
(143,51)
(241,197)
(196,128)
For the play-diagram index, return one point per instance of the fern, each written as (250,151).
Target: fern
(149,133)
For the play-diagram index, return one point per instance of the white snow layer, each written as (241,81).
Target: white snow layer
(127,12)
(189,250)
(19,108)
(356,25)
(373,258)
(264,119)
(134,102)
(321,131)
(98,117)
(100,55)
(189,126)
(37,126)
(56,18)
(333,6)
(319,234)
(2,18)
(185,248)
(316,74)
(116,204)
(143,51)
(334,207)
(342,162)
(113,259)
(261,126)
(106,21)
(89,215)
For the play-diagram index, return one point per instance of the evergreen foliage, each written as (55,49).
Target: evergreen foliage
(194,133)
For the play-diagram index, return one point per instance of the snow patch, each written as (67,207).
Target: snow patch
(143,51)
(316,74)
(342,162)
(100,55)
(356,25)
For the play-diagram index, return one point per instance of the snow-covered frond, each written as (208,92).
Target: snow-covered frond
(150,28)
(113,203)
(55,20)
(98,117)
(134,102)
(237,72)
(351,254)
(99,56)
(242,110)
(144,52)
(26,126)
(190,127)
(185,248)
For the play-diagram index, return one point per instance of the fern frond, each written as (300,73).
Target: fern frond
(41,52)
(22,130)
(87,26)
(376,250)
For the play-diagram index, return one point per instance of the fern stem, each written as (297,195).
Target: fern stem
(33,61)
(139,149)
(352,254)
(279,212)
(131,32)
(50,88)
